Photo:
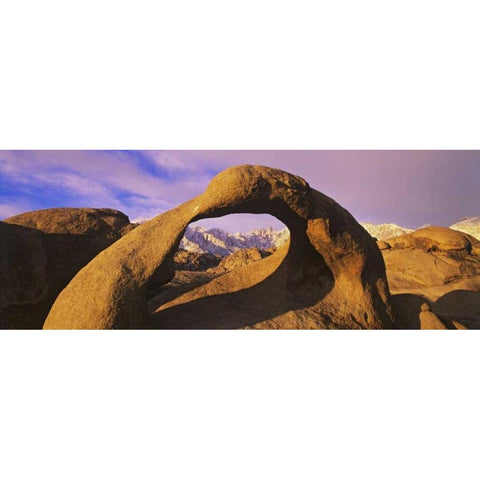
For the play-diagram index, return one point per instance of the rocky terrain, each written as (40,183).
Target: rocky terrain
(40,252)
(92,268)
(186,260)
(437,268)
(219,242)
(241,258)
(329,275)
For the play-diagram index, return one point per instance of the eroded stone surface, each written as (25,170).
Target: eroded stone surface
(41,251)
(240,259)
(428,320)
(94,222)
(196,262)
(435,238)
(438,265)
(331,275)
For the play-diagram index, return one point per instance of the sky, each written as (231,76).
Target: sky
(409,188)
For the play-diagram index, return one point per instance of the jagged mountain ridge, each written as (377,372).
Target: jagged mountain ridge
(219,242)
(199,239)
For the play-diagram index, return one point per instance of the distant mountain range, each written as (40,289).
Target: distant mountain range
(217,241)
(385,230)
(470,225)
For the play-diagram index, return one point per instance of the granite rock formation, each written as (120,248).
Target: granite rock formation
(98,223)
(435,239)
(428,320)
(196,262)
(330,275)
(40,252)
(438,267)
(240,259)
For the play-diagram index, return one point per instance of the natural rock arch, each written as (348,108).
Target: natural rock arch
(326,243)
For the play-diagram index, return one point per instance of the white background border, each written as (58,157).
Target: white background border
(224,75)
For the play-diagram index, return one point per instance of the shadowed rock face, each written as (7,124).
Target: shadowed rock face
(41,251)
(330,275)
(23,277)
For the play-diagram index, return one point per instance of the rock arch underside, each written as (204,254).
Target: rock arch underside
(330,274)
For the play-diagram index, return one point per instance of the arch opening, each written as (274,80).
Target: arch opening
(229,274)
(216,245)
(329,275)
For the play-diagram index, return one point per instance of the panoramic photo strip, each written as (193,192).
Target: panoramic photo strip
(240,239)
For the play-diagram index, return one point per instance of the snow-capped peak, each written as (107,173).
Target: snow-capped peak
(470,225)
(220,242)
(385,230)
(217,241)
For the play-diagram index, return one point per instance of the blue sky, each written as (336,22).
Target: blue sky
(409,188)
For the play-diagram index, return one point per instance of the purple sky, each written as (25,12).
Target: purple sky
(410,188)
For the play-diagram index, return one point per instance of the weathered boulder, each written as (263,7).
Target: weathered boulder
(330,275)
(435,264)
(428,320)
(40,252)
(239,259)
(103,223)
(196,262)
(417,269)
(435,239)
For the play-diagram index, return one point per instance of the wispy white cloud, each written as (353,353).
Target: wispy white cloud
(113,179)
